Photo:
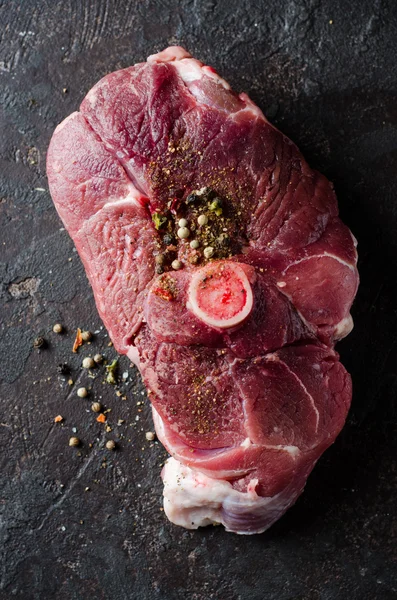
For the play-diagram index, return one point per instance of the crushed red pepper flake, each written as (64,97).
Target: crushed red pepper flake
(101,418)
(78,341)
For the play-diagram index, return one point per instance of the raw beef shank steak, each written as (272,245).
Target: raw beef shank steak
(220,267)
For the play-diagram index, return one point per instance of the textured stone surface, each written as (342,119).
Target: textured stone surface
(326,74)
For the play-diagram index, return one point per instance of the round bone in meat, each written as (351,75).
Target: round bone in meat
(220,295)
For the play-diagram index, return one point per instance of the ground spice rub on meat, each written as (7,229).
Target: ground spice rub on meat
(220,267)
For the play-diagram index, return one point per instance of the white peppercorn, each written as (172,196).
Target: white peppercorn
(183,233)
(202,220)
(176,265)
(88,363)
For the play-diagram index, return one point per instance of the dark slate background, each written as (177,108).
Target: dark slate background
(325,72)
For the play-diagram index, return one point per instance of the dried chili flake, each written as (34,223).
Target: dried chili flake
(78,341)
(164,294)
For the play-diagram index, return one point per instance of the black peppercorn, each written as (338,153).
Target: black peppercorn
(191,198)
(39,342)
(168,239)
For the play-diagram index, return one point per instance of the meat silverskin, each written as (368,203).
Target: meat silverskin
(221,268)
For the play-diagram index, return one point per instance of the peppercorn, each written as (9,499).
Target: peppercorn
(216,206)
(57,328)
(176,265)
(74,441)
(96,407)
(168,239)
(191,198)
(110,445)
(82,392)
(182,223)
(159,259)
(202,220)
(88,363)
(86,336)
(208,252)
(194,244)
(183,233)
(98,358)
(149,435)
(63,369)
(159,270)
(39,342)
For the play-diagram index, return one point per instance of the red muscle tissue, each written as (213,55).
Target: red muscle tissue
(220,267)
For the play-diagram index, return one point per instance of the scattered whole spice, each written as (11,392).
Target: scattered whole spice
(159,270)
(74,441)
(149,435)
(191,198)
(208,252)
(158,220)
(176,265)
(183,233)
(216,206)
(98,358)
(182,223)
(159,259)
(86,336)
(57,328)
(82,392)
(194,244)
(88,363)
(202,220)
(110,445)
(168,239)
(39,342)
(96,407)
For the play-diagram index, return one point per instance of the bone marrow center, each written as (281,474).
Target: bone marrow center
(220,294)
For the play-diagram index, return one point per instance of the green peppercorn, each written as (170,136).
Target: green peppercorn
(216,206)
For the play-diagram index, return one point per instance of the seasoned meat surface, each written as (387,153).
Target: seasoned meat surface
(221,268)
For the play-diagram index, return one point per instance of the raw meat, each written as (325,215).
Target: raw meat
(220,267)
